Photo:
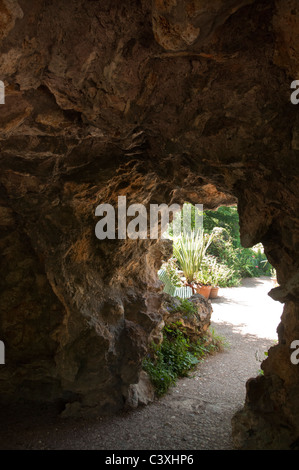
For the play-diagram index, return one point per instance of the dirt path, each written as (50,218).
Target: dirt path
(194,415)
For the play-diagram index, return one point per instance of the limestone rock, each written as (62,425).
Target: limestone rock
(141,393)
(195,324)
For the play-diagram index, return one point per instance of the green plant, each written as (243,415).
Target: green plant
(189,249)
(187,307)
(169,361)
(243,262)
(184,306)
(218,342)
(214,273)
(176,351)
(176,356)
(204,275)
(226,218)
(161,376)
(221,274)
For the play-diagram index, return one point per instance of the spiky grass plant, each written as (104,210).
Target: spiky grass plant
(189,249)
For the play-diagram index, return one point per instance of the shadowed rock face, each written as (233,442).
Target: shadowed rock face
(174,102)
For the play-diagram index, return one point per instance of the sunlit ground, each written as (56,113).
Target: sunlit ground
(249,308)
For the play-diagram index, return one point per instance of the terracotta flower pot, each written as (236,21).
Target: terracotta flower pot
(204,290)
(214,292)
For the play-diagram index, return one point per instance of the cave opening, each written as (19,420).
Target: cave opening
(244,276)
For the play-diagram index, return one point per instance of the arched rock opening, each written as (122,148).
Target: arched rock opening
(166,103)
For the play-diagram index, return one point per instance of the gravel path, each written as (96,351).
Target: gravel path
(194,415)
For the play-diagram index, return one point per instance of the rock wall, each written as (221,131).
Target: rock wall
(170,102)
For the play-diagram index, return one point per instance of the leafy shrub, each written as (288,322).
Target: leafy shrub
(175,350)
(161,376)
(174,357)
(226,218)
(227,248)
(185,306)
(214,273)
(170,360)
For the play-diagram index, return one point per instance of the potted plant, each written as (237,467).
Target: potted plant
(204,280)
(214,274)
(204,286)
(190,250)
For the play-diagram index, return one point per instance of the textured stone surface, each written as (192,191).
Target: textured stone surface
(178,24)
(173,102)
(195,324)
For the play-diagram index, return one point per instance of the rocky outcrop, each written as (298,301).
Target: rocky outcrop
(194,321)
(166,102)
